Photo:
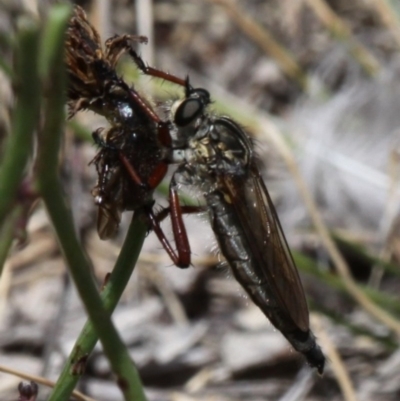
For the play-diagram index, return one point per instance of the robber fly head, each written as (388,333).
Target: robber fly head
(213,145)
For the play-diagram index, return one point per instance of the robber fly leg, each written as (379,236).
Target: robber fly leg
(178,226)
(154,72)
(164,213)
(132,172)
(157,175)
(180,257)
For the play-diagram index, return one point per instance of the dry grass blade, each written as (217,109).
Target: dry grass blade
(389,221)
(301,386)
(39,248)
(199,380)
(266,41)
(388,16)
(337,364)
(339,29)
(5,285)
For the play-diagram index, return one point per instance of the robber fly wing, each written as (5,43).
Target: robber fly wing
(266,240)
(108,219)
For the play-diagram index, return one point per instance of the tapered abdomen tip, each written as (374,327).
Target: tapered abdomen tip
(316,359)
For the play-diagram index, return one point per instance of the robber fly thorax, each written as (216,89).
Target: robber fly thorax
(204,146)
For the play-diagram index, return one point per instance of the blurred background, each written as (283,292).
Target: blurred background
(316,84)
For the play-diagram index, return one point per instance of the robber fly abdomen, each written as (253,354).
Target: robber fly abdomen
(234,246)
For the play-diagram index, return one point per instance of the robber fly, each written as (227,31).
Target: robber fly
(217,156)
(130,162)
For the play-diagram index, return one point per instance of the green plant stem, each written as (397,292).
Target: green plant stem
(50,188)
(19,144)
(110,295)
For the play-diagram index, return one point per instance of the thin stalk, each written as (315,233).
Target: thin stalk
(24,120)
(336,362)
(50,188)
(110,295)
(40,380)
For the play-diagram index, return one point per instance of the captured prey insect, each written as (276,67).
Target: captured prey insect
(216,155)
(130,163)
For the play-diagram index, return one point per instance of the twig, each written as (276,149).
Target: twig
(41,380)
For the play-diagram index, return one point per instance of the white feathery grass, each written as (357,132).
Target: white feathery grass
(344,146)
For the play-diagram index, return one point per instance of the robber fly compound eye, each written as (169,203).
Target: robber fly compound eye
(192,107)
(188,111)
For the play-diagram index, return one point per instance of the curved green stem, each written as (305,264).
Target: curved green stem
(51,191)
(25,117)
(110,295)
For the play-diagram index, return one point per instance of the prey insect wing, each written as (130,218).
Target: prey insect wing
(264,235)
(108,195)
